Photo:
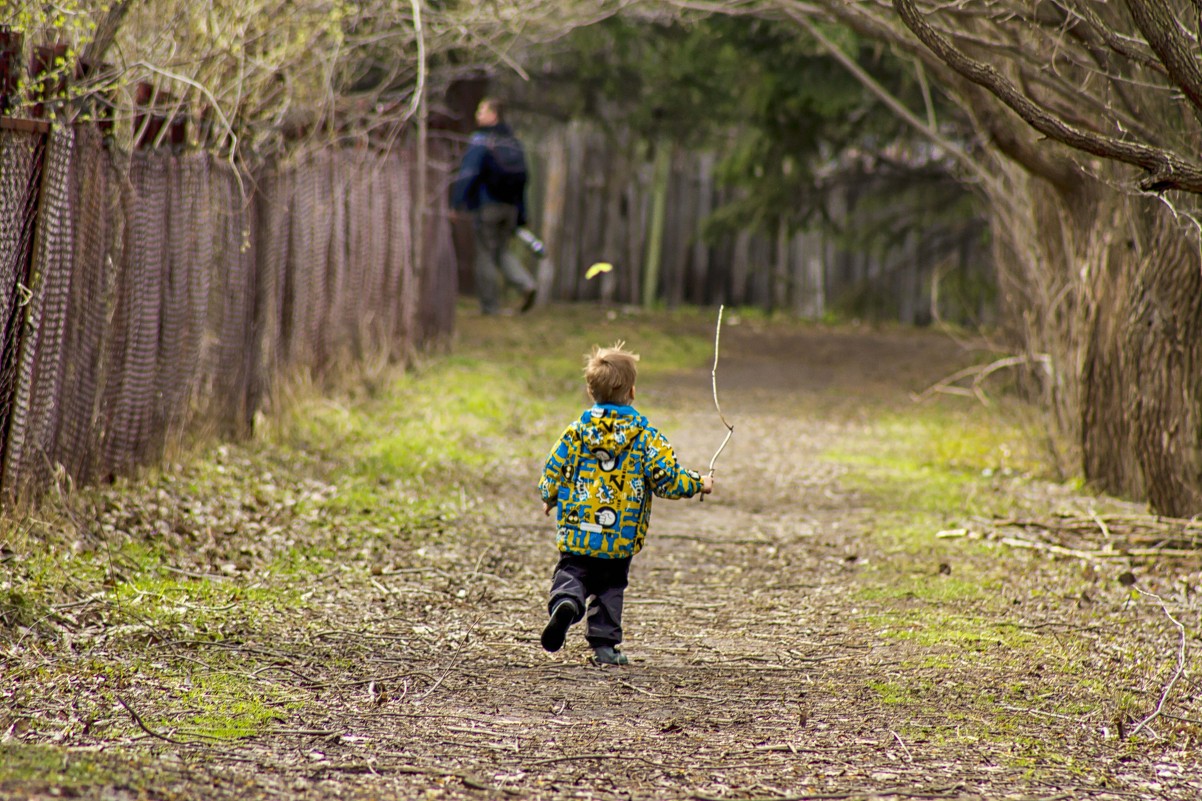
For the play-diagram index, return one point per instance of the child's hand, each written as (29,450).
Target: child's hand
(707,485)
(547,507)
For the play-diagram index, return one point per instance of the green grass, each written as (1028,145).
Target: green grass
(25,768)
(941,461)
(930,468)
(893,694)
(964,634)
(940,590)
(223,706)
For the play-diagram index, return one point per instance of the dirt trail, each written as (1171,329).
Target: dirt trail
(761,663)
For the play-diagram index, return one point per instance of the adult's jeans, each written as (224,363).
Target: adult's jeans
(494,225)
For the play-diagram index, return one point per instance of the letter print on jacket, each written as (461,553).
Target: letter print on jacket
(598,476)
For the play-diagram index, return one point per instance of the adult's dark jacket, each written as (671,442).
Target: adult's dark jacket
(471,190)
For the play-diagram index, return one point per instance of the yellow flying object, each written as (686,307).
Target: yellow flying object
(597,269)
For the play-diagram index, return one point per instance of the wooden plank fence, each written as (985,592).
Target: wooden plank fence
(591,200)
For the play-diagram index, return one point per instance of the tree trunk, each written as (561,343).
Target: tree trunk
(1108,288)
(1142,367)
(568,258)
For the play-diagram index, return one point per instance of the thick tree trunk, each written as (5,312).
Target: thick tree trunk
(1141,381)
(1108,288)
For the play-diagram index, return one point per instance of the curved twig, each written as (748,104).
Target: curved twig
(730,429)
(1164,696)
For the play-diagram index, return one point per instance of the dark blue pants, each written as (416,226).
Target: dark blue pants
(597,586)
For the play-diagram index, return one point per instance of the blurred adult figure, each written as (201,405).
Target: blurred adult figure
(492,186)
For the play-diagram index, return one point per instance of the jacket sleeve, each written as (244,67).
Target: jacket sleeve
(522,220)
(558,461)
(665,475)
(466,189)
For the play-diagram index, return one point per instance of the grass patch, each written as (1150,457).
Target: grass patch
(892,693)
(938,589)
(225,706)
(550,348)
(946,603)
(936,629)
(940,460)
(930,468)
(28,769)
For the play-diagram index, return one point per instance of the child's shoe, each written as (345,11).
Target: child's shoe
(608,655)
(562,616)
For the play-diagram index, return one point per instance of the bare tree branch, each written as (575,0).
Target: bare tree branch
(1123,45)
(895,105)
(1175,52)
(106,32)
(1166,170)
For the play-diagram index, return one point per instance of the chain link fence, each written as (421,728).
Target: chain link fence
(152,295)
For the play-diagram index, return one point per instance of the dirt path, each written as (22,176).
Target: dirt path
(767,660)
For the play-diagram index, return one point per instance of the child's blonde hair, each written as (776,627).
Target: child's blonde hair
(610,373)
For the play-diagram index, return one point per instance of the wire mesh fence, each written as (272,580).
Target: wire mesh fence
(149,295)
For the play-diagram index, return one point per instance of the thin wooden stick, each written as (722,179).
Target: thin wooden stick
(896,736)
(141,725)
(714,382)
(979,373)
(1176,675)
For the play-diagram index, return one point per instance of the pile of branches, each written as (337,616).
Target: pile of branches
(1096,537)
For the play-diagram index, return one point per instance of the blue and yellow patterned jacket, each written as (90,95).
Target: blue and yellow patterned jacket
(602,474)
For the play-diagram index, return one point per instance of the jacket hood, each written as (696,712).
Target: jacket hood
(608,429)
